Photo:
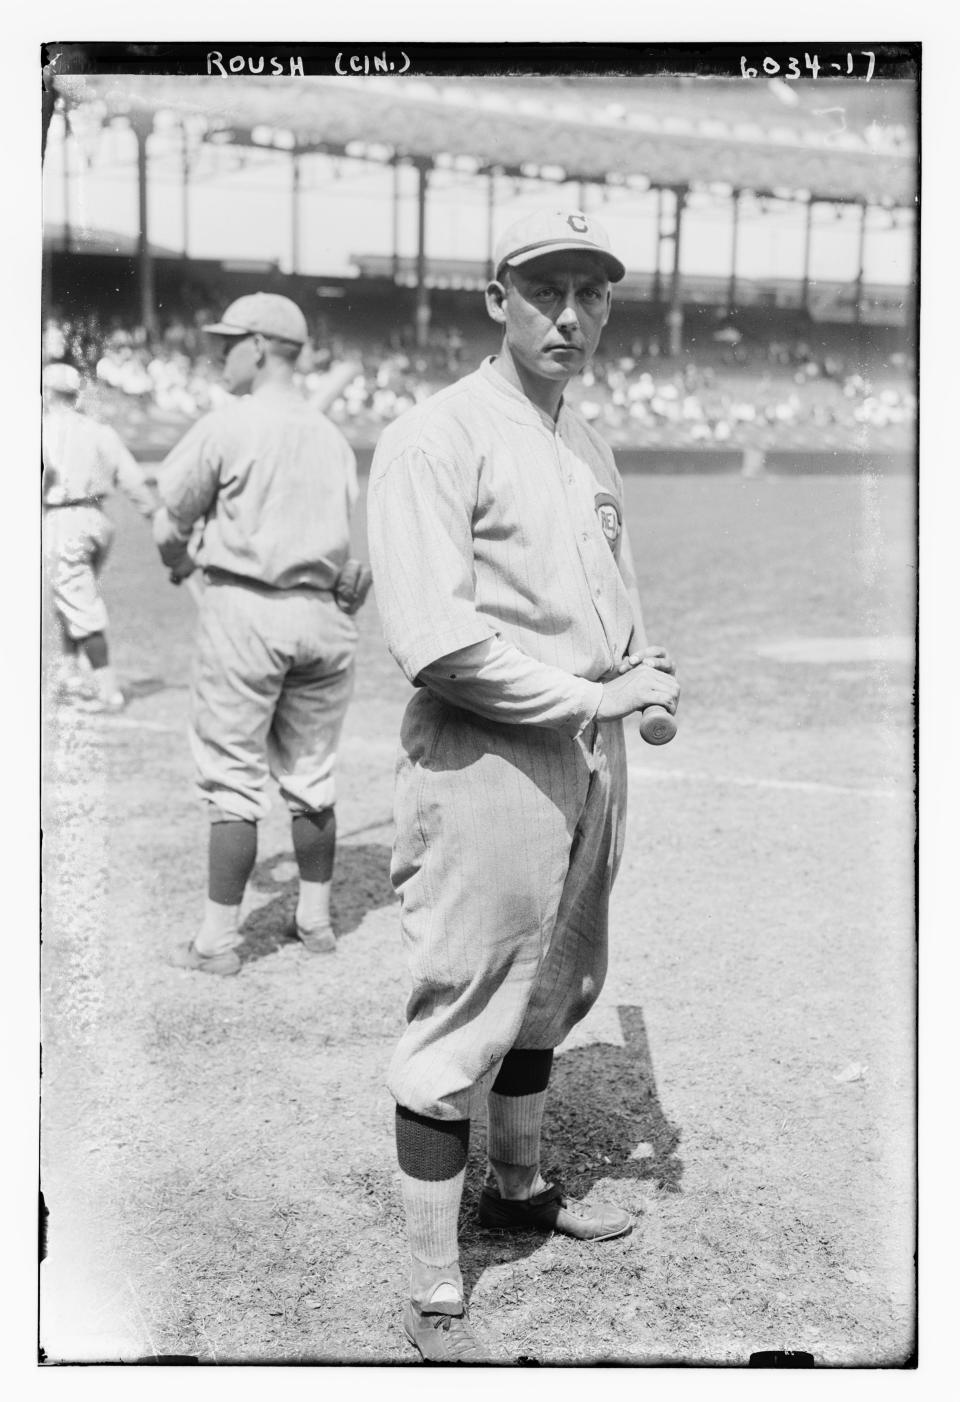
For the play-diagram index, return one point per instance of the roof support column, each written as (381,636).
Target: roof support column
(657,290)
(732,289)
(491,206)
(395,207)
(807,241)
(675,311)
(142,123)
(67,239)
(185,191)
(422,326)
(858,302)
(295,211)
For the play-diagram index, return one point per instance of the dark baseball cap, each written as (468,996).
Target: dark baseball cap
(553,231)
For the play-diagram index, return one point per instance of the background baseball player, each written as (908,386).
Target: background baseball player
(507,591)
(83,461)
(273,483)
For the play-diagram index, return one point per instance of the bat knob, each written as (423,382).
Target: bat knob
(657,725)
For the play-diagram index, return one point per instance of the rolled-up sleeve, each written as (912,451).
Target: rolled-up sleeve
(420,511)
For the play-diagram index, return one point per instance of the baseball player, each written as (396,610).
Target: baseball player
(272,484)
(83,461)
(507,592)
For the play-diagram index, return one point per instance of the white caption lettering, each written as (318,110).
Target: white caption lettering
(790,68)
(345,64)
(242,63)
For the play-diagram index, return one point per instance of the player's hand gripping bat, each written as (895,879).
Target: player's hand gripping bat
(657,725)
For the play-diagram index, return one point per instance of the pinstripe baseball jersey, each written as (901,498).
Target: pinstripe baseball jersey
(488,519)
(275,482)
(498,546)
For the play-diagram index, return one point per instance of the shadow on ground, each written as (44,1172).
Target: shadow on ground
(361,883)
(603,1121)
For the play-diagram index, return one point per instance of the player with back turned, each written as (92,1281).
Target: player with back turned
(272,484)
(507,592)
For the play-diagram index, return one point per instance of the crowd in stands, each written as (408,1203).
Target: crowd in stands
(755,401)
(169,372)
(733,393)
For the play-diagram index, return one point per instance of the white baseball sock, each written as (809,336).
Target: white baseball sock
(220,931)
(513,1127)
(106,683)
(432,1209)
(313,905)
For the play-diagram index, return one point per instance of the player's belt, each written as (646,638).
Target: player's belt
(214,575)
(76,501)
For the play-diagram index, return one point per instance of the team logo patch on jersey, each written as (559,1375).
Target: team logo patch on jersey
(608,513)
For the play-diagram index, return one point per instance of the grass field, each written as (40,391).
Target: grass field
(217,1155)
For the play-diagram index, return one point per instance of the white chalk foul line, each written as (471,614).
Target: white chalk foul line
(741,781)
(683,776)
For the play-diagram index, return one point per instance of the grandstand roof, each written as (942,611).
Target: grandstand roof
(838,141)
(84,238)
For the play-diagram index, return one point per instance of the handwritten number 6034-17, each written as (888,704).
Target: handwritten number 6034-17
(812,65)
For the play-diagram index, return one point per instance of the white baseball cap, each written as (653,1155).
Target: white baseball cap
(552,231)
(266,312)
(64,379)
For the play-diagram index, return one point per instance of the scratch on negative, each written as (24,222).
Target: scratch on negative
(146,1327)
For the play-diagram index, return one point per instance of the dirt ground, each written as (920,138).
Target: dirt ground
(217,1155)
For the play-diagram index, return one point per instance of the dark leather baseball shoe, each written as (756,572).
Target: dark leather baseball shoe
(187,956)
(549,1211)
(319,941)
(442,1338)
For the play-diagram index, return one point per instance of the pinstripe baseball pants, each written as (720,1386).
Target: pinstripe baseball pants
(272,678)
(508,843)
(77,541)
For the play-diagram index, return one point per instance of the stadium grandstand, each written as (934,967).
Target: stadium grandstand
(738,361)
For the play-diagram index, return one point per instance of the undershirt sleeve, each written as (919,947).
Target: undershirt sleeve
(499,681)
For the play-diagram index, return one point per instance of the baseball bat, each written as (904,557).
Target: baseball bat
(195,587)
(657,725)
